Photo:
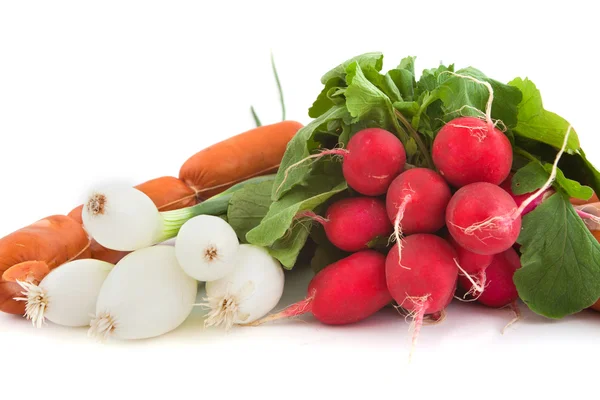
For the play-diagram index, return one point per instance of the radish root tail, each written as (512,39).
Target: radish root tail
(517,316)
(418,314)
(312,216)
(500,221)
(488,106)
(397,235)
(294,310)
(335,152)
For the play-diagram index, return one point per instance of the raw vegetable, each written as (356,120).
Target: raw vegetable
(253,153)
(500,289)
(472,267)
(247,293)
(147,294)
(468,150)
(52,241)
(206,248)
(344,292)
(355,223)
(112,212)
(520,198)
(67,295)
(373,159)
(416,202)
(469,214)
(125,219)
(426,280)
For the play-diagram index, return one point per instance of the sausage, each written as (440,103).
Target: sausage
(253,153)
(51,241)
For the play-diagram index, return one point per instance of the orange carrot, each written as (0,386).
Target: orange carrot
(249,154)
(27,254)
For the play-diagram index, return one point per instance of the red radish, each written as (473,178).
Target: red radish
(484,218)
(351,224)
(500,289)
(472,267)
(425,282)
(520,198)
(467,150)
(417,199)
(344,292)
(373,159)
(416,203)
(479,218)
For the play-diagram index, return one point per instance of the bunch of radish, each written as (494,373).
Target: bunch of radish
(153,289)
(453,229)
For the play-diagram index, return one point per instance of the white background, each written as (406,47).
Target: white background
(96,91)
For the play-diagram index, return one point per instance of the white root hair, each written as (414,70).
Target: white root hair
(398,227)
(501,221)
(102,326)
(225,310)
(488,106)
(36,300)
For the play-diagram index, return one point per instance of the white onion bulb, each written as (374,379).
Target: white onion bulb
(67,295)
(122,218)
(147,294)
(206,248)
(249,292)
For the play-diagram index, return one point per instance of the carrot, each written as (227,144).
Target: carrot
(32,251)
(252,153)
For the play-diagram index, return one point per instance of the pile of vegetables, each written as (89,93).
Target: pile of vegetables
(403,189)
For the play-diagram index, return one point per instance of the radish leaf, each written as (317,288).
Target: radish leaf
(536,123)
(560,273)
(374,60)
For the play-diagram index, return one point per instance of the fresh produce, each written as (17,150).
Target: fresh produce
(67,295)
(469,150)
(253,153)
(51,241)
(125,219)
(472,267)
(416,202)
(146,294)
(354,223)
(345,292)
(500,289)
(520,198)
(469,214)
(206,248)
(247,293)
(110,213)
(425,281)
(373,159)
(400,186)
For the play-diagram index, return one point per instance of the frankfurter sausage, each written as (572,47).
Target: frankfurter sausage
(253,153)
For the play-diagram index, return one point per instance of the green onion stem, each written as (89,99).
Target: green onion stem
(216,205)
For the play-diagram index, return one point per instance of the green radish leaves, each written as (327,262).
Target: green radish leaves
(534,122)
(281,230)
(294,168)
(248,206)
(534,175)
(560,272)
(372,60)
